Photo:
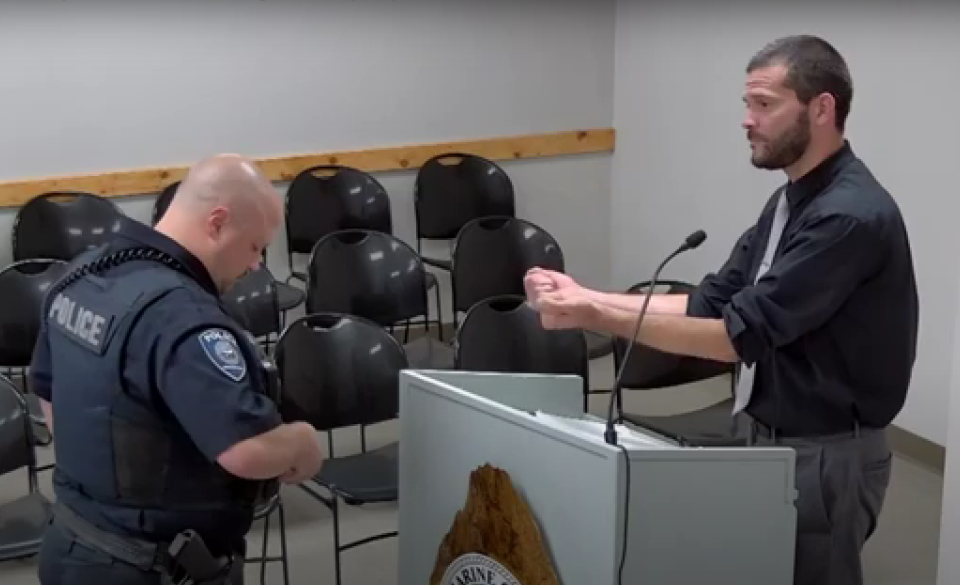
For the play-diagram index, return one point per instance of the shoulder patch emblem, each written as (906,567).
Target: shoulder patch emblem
(221,347)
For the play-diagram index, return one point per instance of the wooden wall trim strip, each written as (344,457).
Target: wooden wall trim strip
(284,168)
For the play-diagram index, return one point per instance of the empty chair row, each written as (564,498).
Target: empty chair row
(450,190)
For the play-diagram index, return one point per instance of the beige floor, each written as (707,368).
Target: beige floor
(903,551)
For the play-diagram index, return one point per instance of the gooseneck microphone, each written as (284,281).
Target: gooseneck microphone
(691,242)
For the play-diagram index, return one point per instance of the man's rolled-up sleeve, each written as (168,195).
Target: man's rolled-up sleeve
(716,289)
(817,272)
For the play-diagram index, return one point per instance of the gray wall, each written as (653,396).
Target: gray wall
(682,161)
(94,86)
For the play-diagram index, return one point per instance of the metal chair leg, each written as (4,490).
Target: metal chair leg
(439,313)
(283,544)
(336,538)
(264,550)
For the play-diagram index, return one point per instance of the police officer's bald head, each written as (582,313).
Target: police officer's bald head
(225,212)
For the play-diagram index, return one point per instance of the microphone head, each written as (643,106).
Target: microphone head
(695,239)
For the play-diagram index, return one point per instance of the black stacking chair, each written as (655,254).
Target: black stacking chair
(288,297)
(341,371)
(23,520)
(491,255)
(378,277)
(503,334)
(62,225)
(649,369)
(329,198)
(265,511)
(271,502)
(453,188)
(23,286)
(162,202)
(252,302)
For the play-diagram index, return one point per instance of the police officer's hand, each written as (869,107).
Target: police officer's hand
(308,458)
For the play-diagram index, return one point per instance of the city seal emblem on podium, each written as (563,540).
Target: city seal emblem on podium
(476,569)
(495,539)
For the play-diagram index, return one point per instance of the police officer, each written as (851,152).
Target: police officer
(163,432)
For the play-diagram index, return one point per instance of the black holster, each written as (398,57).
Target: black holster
(185,561)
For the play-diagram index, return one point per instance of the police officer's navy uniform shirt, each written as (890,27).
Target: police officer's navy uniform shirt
(832,326)
(171,360)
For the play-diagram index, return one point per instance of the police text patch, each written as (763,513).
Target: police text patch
(79,322)
(222,349)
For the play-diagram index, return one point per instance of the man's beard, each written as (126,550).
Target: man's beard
(787,148)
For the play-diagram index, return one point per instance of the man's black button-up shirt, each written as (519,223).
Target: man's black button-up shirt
(832,326)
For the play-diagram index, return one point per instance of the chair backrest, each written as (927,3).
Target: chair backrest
(63,225)
(453,188)
(503,334)
(16,445)
(327,198)
(491,255)
(23,287)
(649,368)
(370,274)
(252,301)
(163,202)
(337,371)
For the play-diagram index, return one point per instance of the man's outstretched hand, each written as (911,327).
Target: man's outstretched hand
(561,302)
(540,280)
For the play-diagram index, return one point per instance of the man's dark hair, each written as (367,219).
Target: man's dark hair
(814,67)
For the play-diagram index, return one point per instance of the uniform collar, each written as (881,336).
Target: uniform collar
(142,234)
(820,176)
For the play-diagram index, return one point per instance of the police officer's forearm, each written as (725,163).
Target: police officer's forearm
(271,454)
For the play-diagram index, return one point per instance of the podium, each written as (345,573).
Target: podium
(717,516)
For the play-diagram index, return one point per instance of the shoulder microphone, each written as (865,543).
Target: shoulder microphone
(692,241)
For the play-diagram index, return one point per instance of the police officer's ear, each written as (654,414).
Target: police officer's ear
(217,221)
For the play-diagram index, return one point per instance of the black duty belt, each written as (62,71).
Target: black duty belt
(146,556)
(185,560)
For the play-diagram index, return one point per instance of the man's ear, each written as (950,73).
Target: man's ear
(216,221)
(825,106)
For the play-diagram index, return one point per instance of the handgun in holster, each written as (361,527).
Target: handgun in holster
(193,564)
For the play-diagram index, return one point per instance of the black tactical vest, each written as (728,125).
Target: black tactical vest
(116,445)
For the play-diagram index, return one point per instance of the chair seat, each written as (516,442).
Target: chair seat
(364,478)
(598,344)
(427,353)
(22,523)
(442,263)
(289,296)
(708,427)
(40,431)
(265,508)
(33,406)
